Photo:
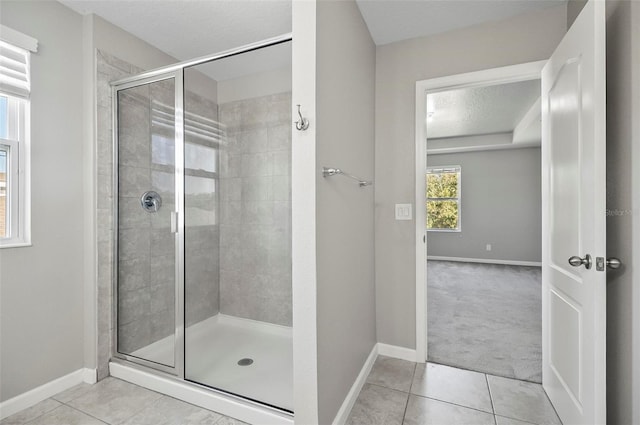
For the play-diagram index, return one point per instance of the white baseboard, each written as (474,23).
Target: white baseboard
(352,396)
(235,407)
(394,351)
(486,261)
(43,392)
(89,376)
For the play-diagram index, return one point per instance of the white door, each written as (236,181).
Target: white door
(573,151)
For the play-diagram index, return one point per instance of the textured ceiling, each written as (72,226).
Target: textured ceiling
(480,110)
(186,29)
(395,20)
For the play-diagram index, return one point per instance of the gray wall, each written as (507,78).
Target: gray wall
(526,38)
(41,290)
(255,221)
(345,241)
(501,206)
(623,203)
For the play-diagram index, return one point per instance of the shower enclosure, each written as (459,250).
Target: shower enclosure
(202,225)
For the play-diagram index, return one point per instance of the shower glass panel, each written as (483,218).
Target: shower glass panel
(238,301)
(203,222)
(146,244)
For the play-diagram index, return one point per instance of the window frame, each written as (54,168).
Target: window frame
(444,169)
(18,219)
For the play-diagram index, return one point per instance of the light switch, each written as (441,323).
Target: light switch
(403,212)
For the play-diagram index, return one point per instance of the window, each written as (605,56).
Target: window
(443,198)
(14,148)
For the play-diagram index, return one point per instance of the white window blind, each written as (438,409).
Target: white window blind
(14,70)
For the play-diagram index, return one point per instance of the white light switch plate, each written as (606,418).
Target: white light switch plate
(403,212)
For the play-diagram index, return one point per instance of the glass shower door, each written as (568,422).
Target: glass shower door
(148,236)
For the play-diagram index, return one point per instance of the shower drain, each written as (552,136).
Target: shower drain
(245,362)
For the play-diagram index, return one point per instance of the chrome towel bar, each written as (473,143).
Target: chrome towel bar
(326,172)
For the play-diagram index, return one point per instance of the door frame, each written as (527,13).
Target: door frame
(179,345)
(501,75)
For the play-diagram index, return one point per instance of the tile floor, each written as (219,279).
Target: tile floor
(112,401)
(398,392)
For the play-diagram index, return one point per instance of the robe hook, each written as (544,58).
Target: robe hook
(303,123)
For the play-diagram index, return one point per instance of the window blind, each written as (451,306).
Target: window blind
(14,70)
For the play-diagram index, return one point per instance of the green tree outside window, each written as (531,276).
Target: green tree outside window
(443,198)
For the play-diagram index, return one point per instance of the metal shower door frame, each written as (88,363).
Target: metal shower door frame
(179,334)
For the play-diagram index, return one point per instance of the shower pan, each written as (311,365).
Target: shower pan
(202,222)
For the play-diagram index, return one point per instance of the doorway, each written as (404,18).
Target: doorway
(483,180)
(448,224)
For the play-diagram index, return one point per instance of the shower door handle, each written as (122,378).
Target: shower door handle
(174,222)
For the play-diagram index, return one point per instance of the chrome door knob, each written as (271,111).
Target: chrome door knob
(576,261)
(614,263)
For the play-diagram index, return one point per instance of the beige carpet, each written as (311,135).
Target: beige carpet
(485,317)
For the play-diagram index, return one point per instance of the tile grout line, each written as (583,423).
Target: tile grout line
(39,416)
(387,388)
(83,412)
(453,404)
(406,405)
(493,407)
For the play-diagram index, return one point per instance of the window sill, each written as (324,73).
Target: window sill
(14,244)
(445,230)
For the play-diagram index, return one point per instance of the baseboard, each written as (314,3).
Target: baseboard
(486,261)
(394,351)
(89,376)
(228,405)
(43,392)
(352,396)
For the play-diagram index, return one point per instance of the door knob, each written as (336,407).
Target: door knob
(613,263)
(576,261)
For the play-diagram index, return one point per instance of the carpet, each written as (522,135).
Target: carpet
(486,318)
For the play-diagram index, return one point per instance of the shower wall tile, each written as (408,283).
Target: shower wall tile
(280,163)
(258,212)
(162,270)
(133,274)
(162,298)
(202,215)
(133,336)
(257,188)
(231,114)
(230,164)
(280,188)
(255,222)
(104,218)
(256,164)
(231,212)
(131,216)
(109,69)
(162,218)
(230,189)
(252,141)
(279,138)
(133,243)
(133,305)
(132,180)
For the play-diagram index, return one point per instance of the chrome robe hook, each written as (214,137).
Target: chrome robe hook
(303,123)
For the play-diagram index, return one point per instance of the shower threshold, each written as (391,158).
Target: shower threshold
(244,357)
